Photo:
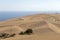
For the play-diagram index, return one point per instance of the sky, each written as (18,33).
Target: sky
(29,5)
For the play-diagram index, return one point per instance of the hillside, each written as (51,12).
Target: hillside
(44,26)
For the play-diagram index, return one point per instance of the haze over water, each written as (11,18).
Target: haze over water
(9,15)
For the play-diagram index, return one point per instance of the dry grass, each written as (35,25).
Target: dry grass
(44,26)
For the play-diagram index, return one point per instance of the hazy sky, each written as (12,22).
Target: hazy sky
(29,5)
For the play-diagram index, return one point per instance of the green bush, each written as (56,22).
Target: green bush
(27,32)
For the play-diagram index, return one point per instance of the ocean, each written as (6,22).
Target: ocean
(9,15)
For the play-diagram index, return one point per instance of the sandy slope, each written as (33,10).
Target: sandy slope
(44,26)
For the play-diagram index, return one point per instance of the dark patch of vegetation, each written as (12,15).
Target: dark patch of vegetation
(5,35)
(21,33)
(12,35)
(27,32)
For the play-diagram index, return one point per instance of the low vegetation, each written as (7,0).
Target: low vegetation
(6,35)
(21,33)
(12,35)
(27,32)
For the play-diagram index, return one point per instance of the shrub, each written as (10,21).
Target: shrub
(12,35)
(28,31)
(4,35)
(21,33)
